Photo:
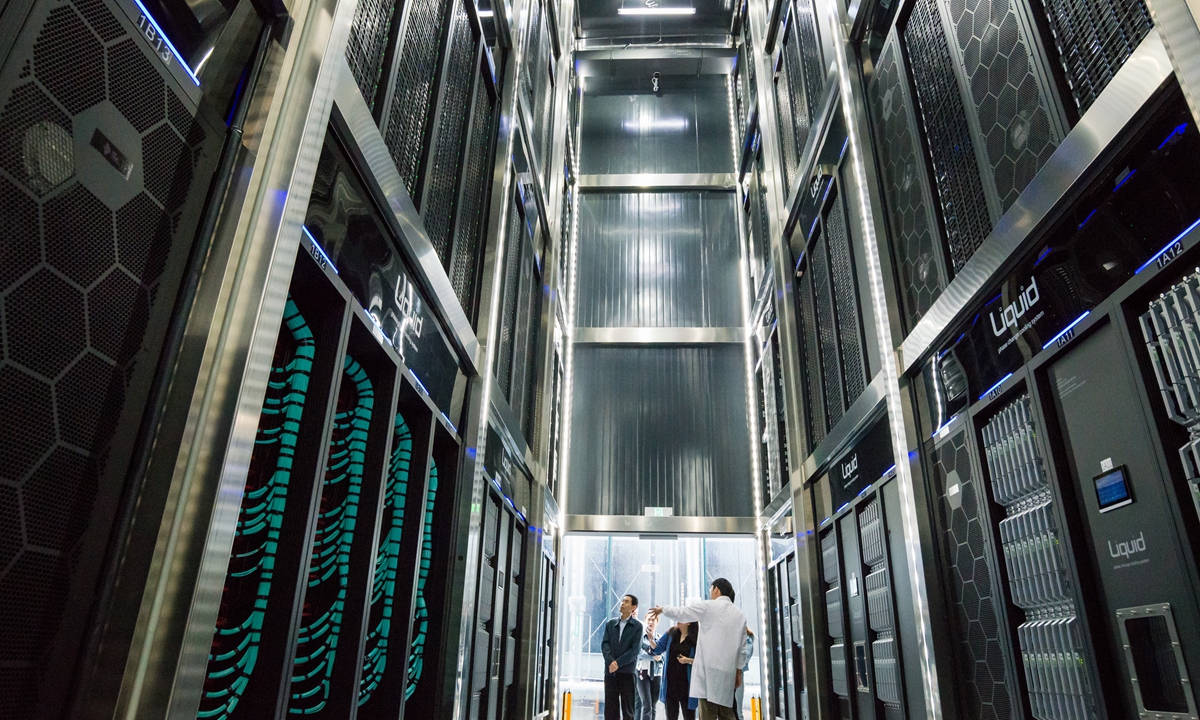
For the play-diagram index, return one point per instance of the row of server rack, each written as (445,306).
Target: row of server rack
(281,361)
(997,199)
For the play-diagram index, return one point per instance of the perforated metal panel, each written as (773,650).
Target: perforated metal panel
(911,220)
(814,395)
(442,179)
(845,291)
(947,133)
(509,297)
(977,614)
(1006,78)
(827,330)
(367,44)
(412,91)
(465,258)
(89,270)
(1094,39)
(810,52)
(795,117)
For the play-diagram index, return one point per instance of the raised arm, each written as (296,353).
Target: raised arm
(661,646)
(690,613)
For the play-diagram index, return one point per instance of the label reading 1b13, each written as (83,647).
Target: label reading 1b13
(156,40)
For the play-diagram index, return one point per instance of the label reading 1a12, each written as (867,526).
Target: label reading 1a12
(155,38)
(1172,252)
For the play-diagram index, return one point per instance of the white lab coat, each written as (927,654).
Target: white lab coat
(720,647)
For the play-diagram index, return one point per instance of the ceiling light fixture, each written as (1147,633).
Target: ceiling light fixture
(656,11)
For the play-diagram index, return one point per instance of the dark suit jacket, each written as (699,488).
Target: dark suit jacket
(622,647)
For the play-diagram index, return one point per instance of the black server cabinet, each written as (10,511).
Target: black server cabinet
(501,589)
(786,642)
(1057,486)
(799,83)
(108,144)
(871,645)
(250,662)
(827,298)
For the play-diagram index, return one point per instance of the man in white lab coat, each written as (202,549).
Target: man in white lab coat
(720,649)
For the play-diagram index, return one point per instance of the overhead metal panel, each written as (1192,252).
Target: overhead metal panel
(659,427)
(658,260)
(629,128)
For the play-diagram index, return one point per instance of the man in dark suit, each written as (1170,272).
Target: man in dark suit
(622,641)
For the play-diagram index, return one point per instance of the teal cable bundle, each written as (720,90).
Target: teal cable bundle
(416,656)
(329,569)
(237,637)
(387,563)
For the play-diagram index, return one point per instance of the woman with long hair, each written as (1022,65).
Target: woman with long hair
(678,646)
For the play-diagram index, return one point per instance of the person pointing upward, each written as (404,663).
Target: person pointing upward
(720,649)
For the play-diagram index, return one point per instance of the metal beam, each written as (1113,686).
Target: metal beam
(659,336)
(657,182)
(682,524)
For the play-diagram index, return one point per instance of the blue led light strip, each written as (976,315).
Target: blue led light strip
(317,246)
(1067,329)
(167,41)
(998,384)
(1167,247)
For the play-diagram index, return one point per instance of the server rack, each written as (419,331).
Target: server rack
(827,297)
(786,645)
(871,665)
(111,136)
(1039,477)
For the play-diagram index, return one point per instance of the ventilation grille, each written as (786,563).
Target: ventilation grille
(913,227)
(472,212)
(1094,39)
(845,289)
(367,44)
(956,172)
(870,529)
(814,395)
(827,327)
(541,101)
(833,612)
(977,614)
(509,298)
(837,666)
(1006,89)
(89,269)
(829,559)
(412,92)
(441,185)
(810,50)
(795,116)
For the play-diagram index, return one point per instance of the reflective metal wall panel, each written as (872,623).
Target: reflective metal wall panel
(683,128)
(658,260)
(659,427)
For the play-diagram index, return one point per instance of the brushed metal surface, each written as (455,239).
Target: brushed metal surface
(1176,23)
(626,127)
(1133,85)
(632,182)
(659,427)
(640,524)
(658,260)
(666,60)
(382,177)
(659,336)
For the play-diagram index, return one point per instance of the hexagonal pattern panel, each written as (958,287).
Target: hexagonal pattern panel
(1002,77)
(947,134)
(81,278)
(910,215)
(975,606)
